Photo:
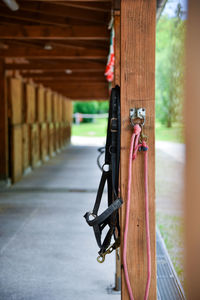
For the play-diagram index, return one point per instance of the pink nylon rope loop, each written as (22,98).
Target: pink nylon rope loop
(134,146)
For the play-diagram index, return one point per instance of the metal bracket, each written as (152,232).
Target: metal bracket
(137,116)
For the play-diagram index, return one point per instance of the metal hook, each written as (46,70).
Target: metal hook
(137,116)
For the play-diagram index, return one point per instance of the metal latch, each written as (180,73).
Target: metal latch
(137,116)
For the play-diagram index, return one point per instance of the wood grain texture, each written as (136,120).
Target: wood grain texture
(15,98)
(52,32)
(40,104)
(55,107)
(192,169)
(16,153)
(138,90)
(48,106)
(30,103)
(51,139)
(3,125)
(26,146)
(34,145)
(43,142)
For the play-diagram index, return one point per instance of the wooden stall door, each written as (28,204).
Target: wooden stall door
(16,150)
(26,147)
(35,145)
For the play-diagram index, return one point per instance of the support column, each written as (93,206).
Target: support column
(138,24)
(3,127)
(192,171)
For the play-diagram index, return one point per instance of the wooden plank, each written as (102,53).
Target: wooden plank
(54,66)
(15,95)
(81,91)
(64,110)
(3,125)
(61,75)
(7,17)
(55,107)
(43,142)
(34,145)
(48,106)
(138,90)
(62,135)
(104,7)
(16,153)
(53,11)
(26,146)
(35,53)
(192,169)
(30,103)
(51,139)
(57,136)
(51,32)
(69,112)
(72,80)
(40,104)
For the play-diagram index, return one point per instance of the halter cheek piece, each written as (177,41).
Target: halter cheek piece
(110,174)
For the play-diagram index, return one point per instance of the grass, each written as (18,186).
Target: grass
(98,129)
(171,229)
(173,134)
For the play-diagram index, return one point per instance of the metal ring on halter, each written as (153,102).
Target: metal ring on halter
(103,167)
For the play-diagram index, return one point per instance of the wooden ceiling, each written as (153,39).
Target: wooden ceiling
(61,44)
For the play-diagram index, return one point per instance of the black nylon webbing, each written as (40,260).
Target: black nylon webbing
(110,216)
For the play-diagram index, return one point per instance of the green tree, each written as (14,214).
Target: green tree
(170,68)
(90,107)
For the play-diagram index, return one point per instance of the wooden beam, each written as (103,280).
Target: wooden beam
(35,53)
(53,11)
(54,66)
(100,1)
(192,169)
(3,126)
(82,91)
(74,76)
(31,19)
(103,7)
(51,32)
(68,80)
(81,86)
(138,90)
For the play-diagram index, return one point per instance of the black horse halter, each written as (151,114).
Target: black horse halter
(110,174)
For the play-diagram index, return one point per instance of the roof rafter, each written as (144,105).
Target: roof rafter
(52,32)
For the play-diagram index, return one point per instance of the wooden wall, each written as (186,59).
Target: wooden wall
(39,122)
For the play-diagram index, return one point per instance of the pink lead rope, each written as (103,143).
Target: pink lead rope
(132,155)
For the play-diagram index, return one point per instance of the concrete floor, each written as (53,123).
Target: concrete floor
(47,251)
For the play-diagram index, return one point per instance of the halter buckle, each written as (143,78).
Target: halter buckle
(113,125)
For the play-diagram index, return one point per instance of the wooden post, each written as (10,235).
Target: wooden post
(138,90)
(192,171)
(3,126)
(117,82)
